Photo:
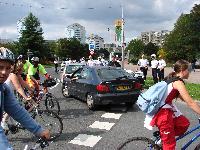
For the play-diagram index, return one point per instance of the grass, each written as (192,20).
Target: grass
(192,88)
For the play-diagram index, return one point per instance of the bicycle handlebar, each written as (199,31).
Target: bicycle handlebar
(41,143)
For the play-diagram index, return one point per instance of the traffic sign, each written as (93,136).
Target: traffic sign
(92,45)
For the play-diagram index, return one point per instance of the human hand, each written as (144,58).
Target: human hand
(45,134)
(28,98)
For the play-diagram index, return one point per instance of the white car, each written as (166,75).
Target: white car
(137,74)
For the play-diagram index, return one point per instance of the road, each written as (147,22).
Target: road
(103,129)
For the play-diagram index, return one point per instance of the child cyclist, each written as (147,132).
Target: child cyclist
(10,105)
(169,120)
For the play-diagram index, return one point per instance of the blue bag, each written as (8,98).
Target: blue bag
(150,101)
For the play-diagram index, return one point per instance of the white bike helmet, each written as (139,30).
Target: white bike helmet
(6,54)
(36,59)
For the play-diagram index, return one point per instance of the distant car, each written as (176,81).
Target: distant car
(69,69)
(137,74)
(102,85)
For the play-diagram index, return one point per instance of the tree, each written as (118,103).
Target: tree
(184,40)
(31,36)
(136,47)
(150,48)
(71,48)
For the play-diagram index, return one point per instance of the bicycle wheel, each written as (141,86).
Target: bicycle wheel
(52,104)
(197,147)
(50,121)
(139,143)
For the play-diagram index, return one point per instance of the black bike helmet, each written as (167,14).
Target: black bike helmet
(6,54)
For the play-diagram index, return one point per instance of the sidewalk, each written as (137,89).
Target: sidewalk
(193,78)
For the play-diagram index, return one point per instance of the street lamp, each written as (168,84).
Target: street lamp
(122,37)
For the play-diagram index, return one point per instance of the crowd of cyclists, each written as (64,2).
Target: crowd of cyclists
(15,76)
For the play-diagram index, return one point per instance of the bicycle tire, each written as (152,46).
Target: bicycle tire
(197,147)
(145,144)
(52,104)
(51,121)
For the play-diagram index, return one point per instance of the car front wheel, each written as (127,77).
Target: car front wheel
(65,92)
(90,102)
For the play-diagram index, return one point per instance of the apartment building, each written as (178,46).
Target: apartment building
(156,37)
(99,41)
(76,31)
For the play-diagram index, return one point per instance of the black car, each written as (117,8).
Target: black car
(102,85)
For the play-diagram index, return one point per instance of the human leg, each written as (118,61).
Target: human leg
(181,125)
(4,144)
(165,124)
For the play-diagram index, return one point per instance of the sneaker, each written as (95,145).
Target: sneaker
(4,125)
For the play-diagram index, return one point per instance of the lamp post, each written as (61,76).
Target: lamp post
(29,53)
(122,36)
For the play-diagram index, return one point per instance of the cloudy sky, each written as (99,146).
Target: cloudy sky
(95,15)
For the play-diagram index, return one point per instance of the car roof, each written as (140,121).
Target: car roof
(76,64)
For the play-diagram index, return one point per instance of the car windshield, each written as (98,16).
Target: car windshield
(112,73)
(71,68)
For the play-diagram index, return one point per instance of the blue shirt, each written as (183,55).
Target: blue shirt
(10,105)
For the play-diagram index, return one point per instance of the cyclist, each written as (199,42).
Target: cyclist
(9,104)
(15,82)
(34,72)
(169,119)
(26,64)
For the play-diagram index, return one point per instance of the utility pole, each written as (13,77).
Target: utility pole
(122,37)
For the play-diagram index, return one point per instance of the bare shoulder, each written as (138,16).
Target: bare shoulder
(178,84)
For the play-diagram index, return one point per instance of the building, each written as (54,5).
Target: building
(76,31)
(99,41)
(154,37)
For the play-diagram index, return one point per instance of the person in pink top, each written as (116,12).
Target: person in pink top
(169,120)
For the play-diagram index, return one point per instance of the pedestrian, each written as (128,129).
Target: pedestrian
(143,64)
(161,68)
(169,120)
(193,62)
(154,66)
(114,62)
(91,62)
(56,65)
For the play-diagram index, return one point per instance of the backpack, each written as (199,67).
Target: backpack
(150,101)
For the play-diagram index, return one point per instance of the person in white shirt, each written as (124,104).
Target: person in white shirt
(56,65)
(143,64)
(90,61)
(154,66)
(161,66)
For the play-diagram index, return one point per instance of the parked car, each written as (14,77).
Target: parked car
(102,85)
(137,74)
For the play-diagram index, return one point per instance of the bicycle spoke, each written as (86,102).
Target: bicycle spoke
(50,121)
(52,104)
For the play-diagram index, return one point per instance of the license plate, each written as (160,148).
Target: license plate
(123,87)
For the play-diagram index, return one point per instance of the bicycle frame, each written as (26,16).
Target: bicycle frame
(193,138)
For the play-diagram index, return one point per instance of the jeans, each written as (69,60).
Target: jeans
(4,144)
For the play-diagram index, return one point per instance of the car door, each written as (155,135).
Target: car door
(72,85)
(84,83)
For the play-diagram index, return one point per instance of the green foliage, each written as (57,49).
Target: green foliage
(192,88)
(71,48)
(31,36)
(184,40)
(150,48)
(136,48)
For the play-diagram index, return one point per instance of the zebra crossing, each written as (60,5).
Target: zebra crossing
(92,140)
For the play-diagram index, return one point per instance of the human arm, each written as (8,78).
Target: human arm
(184,95)
(16,83)
(24,84)
(13,108)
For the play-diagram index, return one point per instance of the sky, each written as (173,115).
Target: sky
(95,15)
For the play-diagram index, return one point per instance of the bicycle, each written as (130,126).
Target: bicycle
(51,102)
(41,143)
(152,144)
(46,118)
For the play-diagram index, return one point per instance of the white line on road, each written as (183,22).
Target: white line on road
(86,140)
(102,125)
(111,115)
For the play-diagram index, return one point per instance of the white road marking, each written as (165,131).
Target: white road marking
(111,115)
(53,86)
(86,140)
(102,125)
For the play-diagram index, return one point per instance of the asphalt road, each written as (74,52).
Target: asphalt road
(103,129)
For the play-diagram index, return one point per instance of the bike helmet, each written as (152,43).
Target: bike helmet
(6,54)
(36,59)
(21,57)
